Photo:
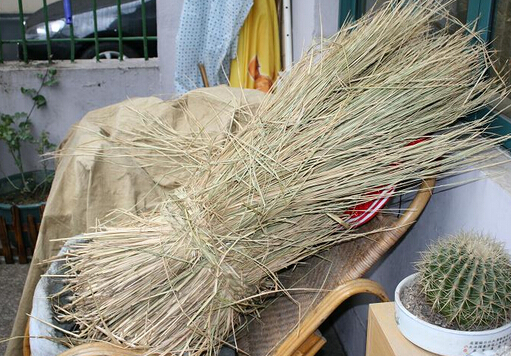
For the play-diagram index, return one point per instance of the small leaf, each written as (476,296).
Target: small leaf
(7,119)
(45,144)
(28,91)
(40,75)
(51,82)
(39,100)
(52,71)
(20,115)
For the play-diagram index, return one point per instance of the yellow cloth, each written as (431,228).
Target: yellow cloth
(257,64)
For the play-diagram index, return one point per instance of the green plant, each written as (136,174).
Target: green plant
(16,130)
(467,278)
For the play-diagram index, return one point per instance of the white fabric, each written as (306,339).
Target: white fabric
(42,315)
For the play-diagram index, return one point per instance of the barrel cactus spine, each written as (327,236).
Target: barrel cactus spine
(467,278)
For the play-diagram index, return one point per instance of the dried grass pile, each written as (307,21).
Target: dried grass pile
(336,128)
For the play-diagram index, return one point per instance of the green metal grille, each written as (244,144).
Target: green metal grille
(23,42)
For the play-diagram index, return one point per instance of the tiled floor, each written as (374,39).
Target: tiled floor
(12,279)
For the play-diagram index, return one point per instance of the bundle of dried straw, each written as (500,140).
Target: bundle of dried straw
(335,128)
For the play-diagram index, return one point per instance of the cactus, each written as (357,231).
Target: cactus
(467,278)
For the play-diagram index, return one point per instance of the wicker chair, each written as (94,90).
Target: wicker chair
(288,327)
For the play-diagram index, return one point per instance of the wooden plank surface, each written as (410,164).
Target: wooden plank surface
(383,336)
(18,233)
(32,231)
(311,346)
(4,239)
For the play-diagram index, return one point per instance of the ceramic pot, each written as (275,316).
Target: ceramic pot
(444,341)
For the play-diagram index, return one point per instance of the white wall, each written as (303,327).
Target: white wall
(310,20)
(482,205)
(83,86)
(168,15)
(302,12)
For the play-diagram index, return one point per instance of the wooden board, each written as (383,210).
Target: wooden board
(18,233)
(4,240)
(383,336)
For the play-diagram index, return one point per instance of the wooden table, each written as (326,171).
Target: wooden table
(383,336)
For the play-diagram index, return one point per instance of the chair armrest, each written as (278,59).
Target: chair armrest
(323,310)
(100,349)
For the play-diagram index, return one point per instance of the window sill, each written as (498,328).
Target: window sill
(130,63)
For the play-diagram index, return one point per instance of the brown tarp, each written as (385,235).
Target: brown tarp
(87,187)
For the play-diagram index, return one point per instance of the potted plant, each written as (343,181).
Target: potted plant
(23,195)
(459,301)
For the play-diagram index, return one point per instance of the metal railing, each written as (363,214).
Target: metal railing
(72,39)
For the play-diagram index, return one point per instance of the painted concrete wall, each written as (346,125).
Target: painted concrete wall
(326,17)
(83,86)
(302,13)
(310,20)
(479,201)
(168,15)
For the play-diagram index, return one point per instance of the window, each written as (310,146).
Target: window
(492,17)
(78,29)
(501,35)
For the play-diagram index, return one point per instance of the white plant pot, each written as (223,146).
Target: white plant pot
(448,342)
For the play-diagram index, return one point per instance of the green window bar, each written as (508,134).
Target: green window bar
(144,31)
(71,32)
(47,28)
(22,28)
(23,42)
(95,18)
(1,47)
(119,29)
